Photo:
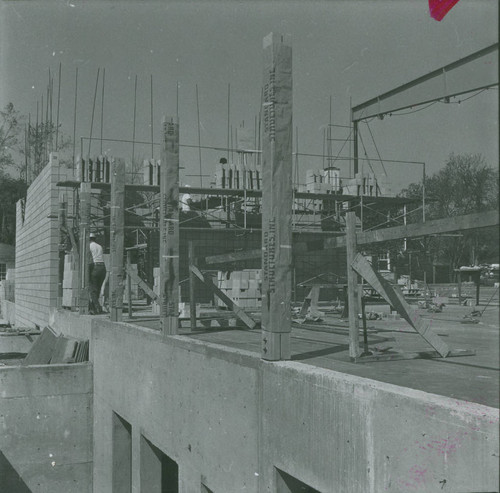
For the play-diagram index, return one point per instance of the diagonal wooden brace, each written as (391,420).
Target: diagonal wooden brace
(238,311)
(142,284)
(395,298)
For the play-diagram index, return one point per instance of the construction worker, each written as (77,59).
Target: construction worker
(97,275)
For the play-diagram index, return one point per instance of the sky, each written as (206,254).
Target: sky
(343,51)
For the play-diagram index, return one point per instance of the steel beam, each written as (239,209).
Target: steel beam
(474,72)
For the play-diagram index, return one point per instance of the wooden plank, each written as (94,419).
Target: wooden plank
(396,299)
(238,192)
(234,257)
(352,287)
(83,298)
(436,226)
(238,311)
(169,227)
(41,351)
(400,355)
(116,278)
(129,285)
(142,284)
(277,198)
(64,350)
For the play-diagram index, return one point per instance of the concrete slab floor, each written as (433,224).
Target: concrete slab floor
(469,378)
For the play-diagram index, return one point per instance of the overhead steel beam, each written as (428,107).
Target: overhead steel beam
(474,72)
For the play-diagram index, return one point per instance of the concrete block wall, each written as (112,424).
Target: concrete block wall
(230,421)
(37,239)
(46,429)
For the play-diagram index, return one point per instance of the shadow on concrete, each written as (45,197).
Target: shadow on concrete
(320,352)
(448,361)
(10,481)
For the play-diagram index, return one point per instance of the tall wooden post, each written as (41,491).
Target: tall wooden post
(85,198)
(169,227)
(192,280)
(352,286)
(117,238)
(355,147)
(277,198)
(129,284)
(62,243)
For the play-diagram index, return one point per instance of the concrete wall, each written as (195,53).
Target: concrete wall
(37,238)
(229,419)
(46,429)
(8,312)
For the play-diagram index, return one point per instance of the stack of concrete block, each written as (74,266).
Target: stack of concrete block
(151,172)
(155,307)
(68,280)
(317,181)
(96,169)
(134,286)
(239,175)
(37,246)
(244,287)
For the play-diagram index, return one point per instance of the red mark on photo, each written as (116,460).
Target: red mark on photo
(439,8)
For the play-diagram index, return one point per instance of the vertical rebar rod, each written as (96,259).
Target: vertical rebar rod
(199,134)
(133,125)
(93,110)
(228,119)
(152,145)
(74,116)
(58,105)
(102,104)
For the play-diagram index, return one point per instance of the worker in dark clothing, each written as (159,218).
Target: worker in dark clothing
(97,275)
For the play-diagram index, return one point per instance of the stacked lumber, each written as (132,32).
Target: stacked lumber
(50,349)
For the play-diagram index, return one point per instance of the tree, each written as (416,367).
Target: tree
(466,184)
(39,143)
(9,135)
(11,190)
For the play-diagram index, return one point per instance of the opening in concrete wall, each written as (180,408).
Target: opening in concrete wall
(122,455)
(159,473)
(205,489)
(288,484)
(10,480)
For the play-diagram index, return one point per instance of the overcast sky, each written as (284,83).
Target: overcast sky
(341,49)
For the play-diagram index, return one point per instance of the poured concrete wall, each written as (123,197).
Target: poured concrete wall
(229,419)
(46,429)
(37,255)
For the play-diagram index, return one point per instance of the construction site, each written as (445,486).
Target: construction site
(255,334)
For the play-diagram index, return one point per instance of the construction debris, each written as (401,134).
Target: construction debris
(50,348)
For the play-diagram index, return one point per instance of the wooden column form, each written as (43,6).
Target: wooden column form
(277,198)
(129,285)
(117,237)
(352,286)
(169,227)
(62,237)
(192,280)
(83,298)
